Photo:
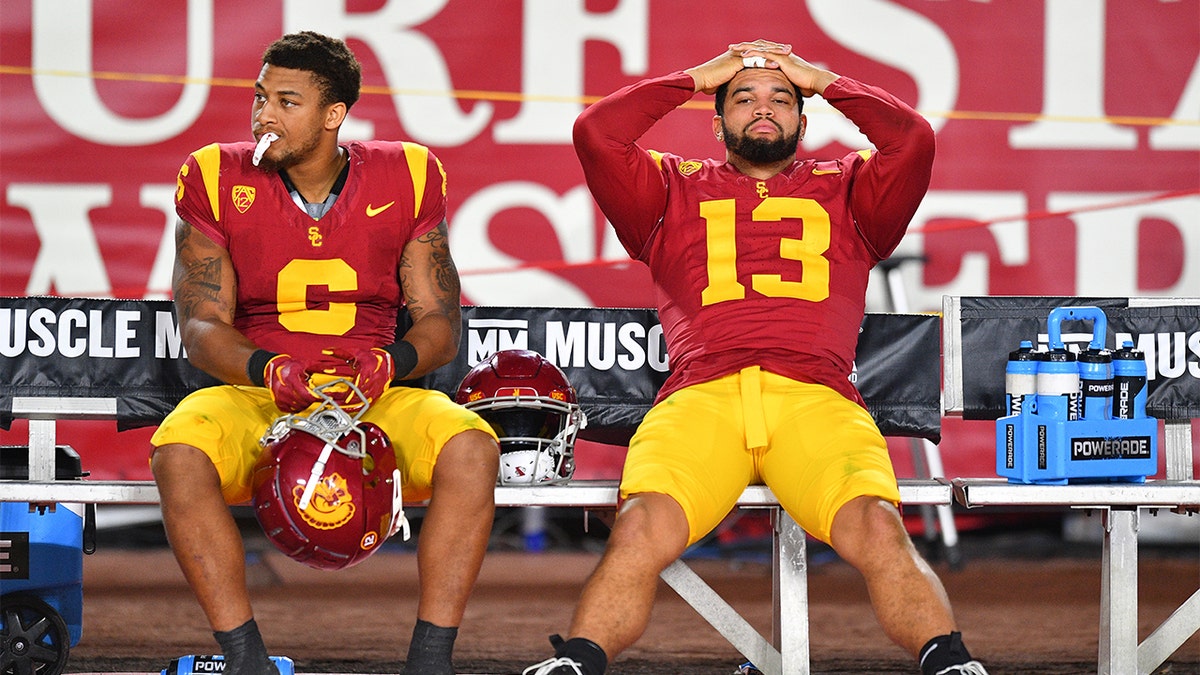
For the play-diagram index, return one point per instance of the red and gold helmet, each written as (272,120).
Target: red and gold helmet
(326,487)
(533,410)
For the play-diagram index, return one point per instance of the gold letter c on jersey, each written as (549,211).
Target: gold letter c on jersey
(292,296)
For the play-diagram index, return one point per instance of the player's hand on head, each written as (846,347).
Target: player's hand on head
(809,79)
(739,55)
(719,69)
(772,51)
(761,53)
(287,379)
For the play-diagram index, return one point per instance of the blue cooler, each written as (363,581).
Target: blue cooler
(41,566)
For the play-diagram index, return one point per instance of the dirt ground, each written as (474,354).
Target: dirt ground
(1026,602)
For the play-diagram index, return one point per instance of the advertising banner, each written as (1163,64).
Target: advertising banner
(615,358)
(1167,336)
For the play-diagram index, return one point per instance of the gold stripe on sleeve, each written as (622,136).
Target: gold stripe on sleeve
(417,156)
(208,159)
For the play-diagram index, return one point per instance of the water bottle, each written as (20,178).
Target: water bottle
(1058,385)
(1129,383)
(1020,379)
(1096,383)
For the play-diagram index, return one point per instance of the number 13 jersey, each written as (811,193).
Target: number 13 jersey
(757,272)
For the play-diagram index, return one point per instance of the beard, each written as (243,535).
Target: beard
(761,151)
(287,157)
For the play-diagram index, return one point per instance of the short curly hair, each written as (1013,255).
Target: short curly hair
(335,68)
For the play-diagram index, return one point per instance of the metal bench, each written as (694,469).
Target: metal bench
(785,652)
(88,388)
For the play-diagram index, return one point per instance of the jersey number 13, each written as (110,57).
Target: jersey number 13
(720,217)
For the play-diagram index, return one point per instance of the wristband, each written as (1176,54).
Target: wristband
(404,358)
(257,364)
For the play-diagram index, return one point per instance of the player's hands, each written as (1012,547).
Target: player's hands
(722,68)
(809,79)
(371,370)
(287,379)
(771,53)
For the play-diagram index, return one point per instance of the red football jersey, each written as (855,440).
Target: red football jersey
(304,284)
(750,272)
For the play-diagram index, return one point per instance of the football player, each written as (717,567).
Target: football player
(761,261)
(294,256)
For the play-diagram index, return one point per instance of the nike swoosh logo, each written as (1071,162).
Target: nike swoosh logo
(372,211)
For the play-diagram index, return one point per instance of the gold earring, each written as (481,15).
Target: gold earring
(720,136)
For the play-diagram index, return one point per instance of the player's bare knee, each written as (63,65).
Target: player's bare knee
(176,459)
(869,528)
(471,457)
(653,523)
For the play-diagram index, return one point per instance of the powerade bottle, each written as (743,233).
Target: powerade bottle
(1129,383)
(1058,385)
(1020,379)
(1096,383)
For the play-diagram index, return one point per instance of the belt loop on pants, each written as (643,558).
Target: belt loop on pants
(750,379)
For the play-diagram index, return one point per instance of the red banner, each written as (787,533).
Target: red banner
(1068,130)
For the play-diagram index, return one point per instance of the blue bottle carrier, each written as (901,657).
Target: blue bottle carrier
(1052,442)
(214,664)
(41,570)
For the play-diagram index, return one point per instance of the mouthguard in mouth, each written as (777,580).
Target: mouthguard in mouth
(261,149)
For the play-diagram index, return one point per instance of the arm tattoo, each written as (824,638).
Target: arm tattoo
(197,276)
(445,275)
(443,291)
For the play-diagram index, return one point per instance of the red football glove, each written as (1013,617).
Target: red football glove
(287,378)
(373,370)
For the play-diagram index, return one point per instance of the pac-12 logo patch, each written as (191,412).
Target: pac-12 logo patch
(243,197)
(369,540)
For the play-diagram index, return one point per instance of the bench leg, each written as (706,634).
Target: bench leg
(790,577)
(43,439)
(1177,449)
(1170,636)
(927,459)
(789,653)
(1119,593)
(720,615)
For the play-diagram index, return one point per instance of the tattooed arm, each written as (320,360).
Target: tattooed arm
(431,289)
(205,296)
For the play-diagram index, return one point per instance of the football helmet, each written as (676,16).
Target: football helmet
(326,489)
(534,411)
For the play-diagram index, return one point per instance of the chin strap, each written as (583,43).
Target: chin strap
(399,522)
(314,476)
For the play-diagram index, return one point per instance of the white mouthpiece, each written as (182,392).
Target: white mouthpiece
(260,149)
(754,61)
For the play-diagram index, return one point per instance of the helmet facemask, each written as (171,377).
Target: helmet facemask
(534,412)
(537,437)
